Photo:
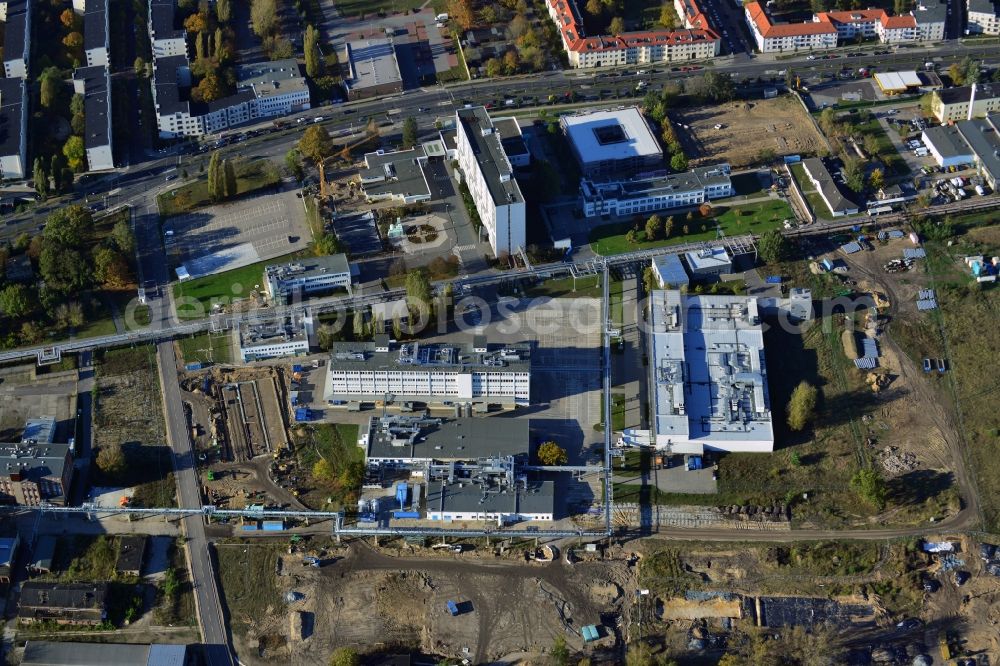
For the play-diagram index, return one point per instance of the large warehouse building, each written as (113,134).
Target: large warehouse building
(431,373)
(708,374)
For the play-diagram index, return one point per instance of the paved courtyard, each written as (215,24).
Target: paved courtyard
(233,235)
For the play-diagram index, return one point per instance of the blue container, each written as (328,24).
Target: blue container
(405,514)
(452,607)
(296,368)
(273,525)
(249,527)
(302,414)
(773,279)
(190,367)
(402,492)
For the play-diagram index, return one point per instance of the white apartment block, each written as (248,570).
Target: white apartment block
(96,44)
(983,17)
(930,16)
(16,17)
(94,83)
(490,179)
(776,38)
(651,195)
(432,373)
(965,102)
(647,47)
(14,135)
(828,28)
(165,38)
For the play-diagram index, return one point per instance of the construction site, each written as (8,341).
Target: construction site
(237,419)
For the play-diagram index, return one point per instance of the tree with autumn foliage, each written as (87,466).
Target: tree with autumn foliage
(461,13)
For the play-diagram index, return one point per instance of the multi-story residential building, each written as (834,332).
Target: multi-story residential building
(930,16)
(167,38)
(965,102)
(63,603)
(16,17)
(262,90)
(94,83)
(777,37)
(13,129)
(490,179)
(290,335)
(628,48)
(828,28)
(617,143)
(983,17)
(305,277)
(35,473)
(650,195)
(431,373)
(708,375)
(95,33)
(897,29)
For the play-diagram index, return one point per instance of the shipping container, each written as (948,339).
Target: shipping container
(249,527)
(273,525)
(191,367)
(452,607)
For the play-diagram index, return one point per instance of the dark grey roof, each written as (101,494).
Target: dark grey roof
(95,24)
(401,437)
(947,141)
(537,497)
(930,11)
(46,653)
(168,96)
(161,15)
(240,97)
(33,462)
(982,6)
(984,139)
(77,596)
(493,163)
(96,105)
(439,357)
(955,95)
(11,98)
(815,167)
(16,31)
(130,553)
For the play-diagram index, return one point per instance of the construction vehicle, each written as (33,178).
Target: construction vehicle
(312,561)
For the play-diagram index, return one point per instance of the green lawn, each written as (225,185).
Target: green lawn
(815,201)
(221,288)
(755,218)
(894,163)
(206,348)
(617,413)
(368,7)
(250,176)
(585,287)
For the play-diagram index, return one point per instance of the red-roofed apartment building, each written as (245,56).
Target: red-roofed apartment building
(630,47)
(827,28)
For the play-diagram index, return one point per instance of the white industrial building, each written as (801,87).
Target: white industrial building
(649,195)
(307,276)
(669,271)
(432,373)
(489,176)
(947,146)
(286,336)
(708,374)
(527,501)
(613,144)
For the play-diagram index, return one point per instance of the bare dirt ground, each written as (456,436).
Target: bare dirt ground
(914,434)
(780,125)
(369,600)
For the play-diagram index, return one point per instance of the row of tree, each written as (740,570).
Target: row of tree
(215,48)
(222,182)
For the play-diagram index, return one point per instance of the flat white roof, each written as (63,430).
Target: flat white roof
(636,138)
(897,80)
(709,373)
(711,257)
